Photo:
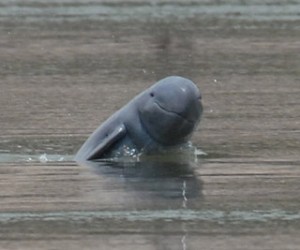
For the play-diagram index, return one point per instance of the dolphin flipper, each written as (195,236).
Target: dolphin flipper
(116,134)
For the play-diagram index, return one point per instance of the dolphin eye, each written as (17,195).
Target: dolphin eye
(152,94)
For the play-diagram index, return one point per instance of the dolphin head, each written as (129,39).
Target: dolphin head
(170,110)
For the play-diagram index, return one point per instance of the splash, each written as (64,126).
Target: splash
(184,153)
(41,158)
(180,154)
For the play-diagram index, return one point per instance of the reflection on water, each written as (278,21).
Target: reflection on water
(167,179)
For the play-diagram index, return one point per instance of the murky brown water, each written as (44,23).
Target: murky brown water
(67,65)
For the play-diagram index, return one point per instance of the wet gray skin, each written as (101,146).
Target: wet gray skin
(162,116)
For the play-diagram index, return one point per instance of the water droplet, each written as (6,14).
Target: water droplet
(184,202)
(43,158)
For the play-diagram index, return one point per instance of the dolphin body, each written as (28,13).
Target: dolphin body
(162,116)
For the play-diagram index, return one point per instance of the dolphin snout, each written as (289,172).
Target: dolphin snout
(192,110)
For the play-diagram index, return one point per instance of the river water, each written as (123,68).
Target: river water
(67,65)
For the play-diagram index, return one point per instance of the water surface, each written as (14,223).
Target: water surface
(67,65)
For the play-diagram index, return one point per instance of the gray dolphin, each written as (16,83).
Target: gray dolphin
(163,115)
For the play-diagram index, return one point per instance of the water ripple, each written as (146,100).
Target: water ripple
(149,215)
(37,11)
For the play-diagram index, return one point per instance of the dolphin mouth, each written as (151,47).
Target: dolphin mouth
(174,113)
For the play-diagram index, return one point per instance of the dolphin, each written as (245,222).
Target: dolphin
(162,116)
